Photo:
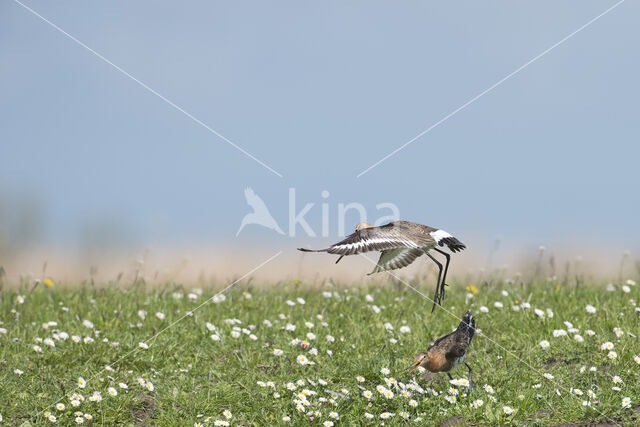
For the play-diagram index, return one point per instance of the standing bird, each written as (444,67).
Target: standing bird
(400,242)
(449,351)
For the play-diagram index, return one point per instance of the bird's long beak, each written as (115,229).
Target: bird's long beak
(414,365)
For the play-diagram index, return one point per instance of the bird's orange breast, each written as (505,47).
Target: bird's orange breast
(438,363)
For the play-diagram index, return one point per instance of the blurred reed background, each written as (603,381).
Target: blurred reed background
(102,178)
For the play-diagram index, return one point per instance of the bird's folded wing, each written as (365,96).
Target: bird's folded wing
(457,349)
(388,236)
(391,259)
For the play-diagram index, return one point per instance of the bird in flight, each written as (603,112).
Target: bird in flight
(449,351)
(260,214)
(400,243)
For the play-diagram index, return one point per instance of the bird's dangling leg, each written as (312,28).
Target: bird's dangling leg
(444,276)
(470,377)
(437,299)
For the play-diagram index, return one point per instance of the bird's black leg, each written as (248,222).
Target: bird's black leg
(446,268)
(451,378)
(436,298)
(470,377)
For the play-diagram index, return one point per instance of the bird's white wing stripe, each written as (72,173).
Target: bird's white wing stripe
(364,243)
(439,235)
(382,238)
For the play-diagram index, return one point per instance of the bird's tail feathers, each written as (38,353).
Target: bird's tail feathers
(468,324)
(452,243)
(313,250)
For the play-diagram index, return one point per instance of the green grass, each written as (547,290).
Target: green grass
(195,377)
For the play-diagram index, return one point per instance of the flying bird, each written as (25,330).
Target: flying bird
(260,214)
(400,243)
(449,351)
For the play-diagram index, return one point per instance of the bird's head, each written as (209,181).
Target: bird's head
(363,225)
(421,359)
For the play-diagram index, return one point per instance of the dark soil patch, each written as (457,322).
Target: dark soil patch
(539,416)
(456,420)
(558,362)
(588,425)
(143,410)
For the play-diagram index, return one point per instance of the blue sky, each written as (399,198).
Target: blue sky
(320,91)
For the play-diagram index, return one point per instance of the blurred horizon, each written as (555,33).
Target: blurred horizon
(94,165)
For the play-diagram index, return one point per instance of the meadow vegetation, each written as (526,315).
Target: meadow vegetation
(545,353)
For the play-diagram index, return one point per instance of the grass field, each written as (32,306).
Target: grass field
(290,354)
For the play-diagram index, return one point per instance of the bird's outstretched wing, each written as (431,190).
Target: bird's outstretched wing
(254,200)
(392,259)
(389,236)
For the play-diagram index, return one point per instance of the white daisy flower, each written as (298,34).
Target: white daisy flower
(607,346)
(477,403)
